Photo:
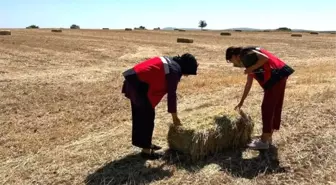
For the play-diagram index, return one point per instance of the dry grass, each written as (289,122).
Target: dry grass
(64,121)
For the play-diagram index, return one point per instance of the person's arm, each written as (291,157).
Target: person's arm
(262,59)
(247,89)
(172,82)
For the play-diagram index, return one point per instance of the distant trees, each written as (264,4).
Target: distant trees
(140,28)
(32,27)
(74,26)
(283,29)
(202,24)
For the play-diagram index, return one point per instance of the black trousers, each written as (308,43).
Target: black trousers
(143,115)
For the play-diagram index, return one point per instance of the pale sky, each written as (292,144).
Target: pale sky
(219,14)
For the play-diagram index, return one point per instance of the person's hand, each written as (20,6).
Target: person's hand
(238,107)
(248,70)
(176,121)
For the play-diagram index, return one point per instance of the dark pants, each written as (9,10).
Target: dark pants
(272,106)
(143,115)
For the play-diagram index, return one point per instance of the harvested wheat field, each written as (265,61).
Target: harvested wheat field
(64,120)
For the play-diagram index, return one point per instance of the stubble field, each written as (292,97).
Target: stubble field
(63,119)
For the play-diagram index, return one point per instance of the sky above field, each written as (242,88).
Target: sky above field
(219,14)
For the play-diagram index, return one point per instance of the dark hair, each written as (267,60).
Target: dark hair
(188,63)
(232,51)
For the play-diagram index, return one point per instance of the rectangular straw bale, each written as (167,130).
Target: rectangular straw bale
(211,132)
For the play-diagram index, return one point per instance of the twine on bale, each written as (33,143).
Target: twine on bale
(5,32)
(200,137)
(185,40)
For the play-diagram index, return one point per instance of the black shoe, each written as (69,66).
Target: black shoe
(151,156)
(155,147)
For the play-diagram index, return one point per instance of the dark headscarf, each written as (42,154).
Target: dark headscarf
(188,63)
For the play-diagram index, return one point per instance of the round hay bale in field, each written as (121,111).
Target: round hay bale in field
(128,29)
(5,32)
(56,30)
(296,35)
(185,40)
(225,34)
(314,33)
(211,132)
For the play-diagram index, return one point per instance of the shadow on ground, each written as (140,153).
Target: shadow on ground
(266,162)
(131,169)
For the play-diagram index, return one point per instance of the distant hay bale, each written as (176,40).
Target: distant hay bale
(128,29)
(5,32)
(185,40)
(238,30)
(181,30)
(158,28)
(210,133)
(296,35)
(105,28)
(314,33)
(225,34)
(56,30)
(266,30)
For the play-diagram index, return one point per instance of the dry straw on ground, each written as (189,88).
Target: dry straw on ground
(5,32)
(56,30)
(216,131)
(225,34)
(185,40)
(296,35)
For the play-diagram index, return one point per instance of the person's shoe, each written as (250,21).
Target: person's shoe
(155,147)
(150,156)
(258,145)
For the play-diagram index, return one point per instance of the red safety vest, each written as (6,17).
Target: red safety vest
(153,72)
(273,63)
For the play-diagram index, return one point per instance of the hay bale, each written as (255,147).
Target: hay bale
(181,30)
(5,32)
(56,30)
(128,29)
(225,34)
(210,133)
(238,30)
(296,35)
(158,28)
(314,33)
(105,28)
(185,40)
